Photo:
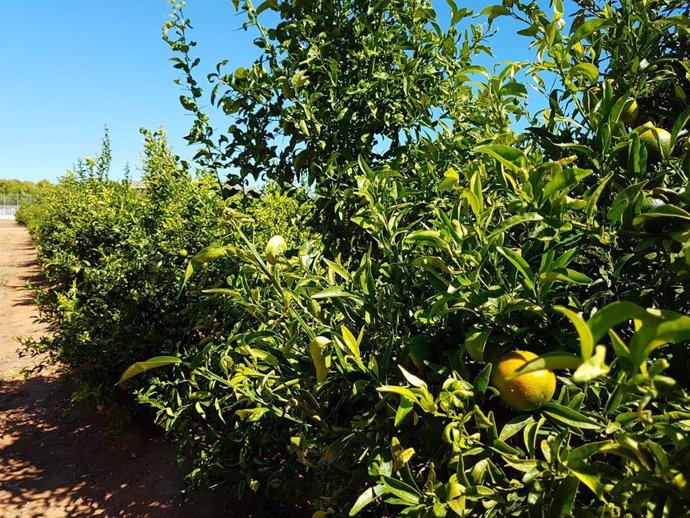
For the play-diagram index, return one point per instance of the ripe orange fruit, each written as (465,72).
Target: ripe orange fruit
(526,392)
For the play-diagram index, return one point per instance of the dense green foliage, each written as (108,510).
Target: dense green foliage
(353,370)
(337,81)
(18,192)
(22,187)
(110,255)
(113,256)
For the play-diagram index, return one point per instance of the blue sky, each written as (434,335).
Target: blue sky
(70,67)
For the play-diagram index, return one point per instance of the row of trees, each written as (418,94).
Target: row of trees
(24,188)
(347,361)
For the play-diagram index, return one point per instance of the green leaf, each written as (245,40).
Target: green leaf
(207,255)
(591,480)
(494,11)
(665,212)
(593,196)
(618,107)
(451,178)
(550,361)
(586,70)
(564,179)
(402,490)
(520,264)
(267,4)
(431,264)
(404,408)
(475,344)
(251,414)
(564,497)
(578,277)
(514,426)
(335,292)
(566,275)
(351,342)
(401,391)
(337,268)
(322,360)
(637,155)
(512,158)
(565,258)
(679,20)
(569,417)
(152,363)
(612,315)
(664,327)
(593,368)
(427,237)
(481,381)
(367,497)
(518,219)
(411,378)
(476,188)
(513,88)
(586,30)
(586,339)
(580,454)
(618,344)
(475,203)
(452,226)
(476,69)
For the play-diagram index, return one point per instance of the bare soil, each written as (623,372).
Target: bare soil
(57,459)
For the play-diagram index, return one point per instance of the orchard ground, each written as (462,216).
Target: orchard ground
(58,459)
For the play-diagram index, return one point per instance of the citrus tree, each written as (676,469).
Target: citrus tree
(336,81)
(114,253)
(483,347)
(458,315)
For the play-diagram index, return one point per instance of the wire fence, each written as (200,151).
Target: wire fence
(10,203)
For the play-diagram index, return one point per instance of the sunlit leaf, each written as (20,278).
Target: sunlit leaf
(593,368)
(152,363)
(367,497)
(586,338)
(550,361)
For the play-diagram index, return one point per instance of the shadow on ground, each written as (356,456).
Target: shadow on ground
(56,460)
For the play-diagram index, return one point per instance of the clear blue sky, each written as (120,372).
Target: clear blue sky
(70,67)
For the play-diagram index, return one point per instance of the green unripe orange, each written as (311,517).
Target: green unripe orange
(630,111)
(527,392)
(275,248)
(656,140)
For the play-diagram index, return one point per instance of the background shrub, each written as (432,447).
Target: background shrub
(114,253)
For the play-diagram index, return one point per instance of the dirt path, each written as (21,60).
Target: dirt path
(17,313)
(57,460)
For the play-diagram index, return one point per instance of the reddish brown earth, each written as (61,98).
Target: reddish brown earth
(59,460)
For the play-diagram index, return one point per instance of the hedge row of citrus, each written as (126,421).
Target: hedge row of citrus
(113,255)
(365,371)
(359,376)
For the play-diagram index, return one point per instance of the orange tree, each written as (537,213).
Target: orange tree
(336,81)
(110,254)
(113,255)
(465,240)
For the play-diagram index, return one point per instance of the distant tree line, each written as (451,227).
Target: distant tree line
(24,188)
